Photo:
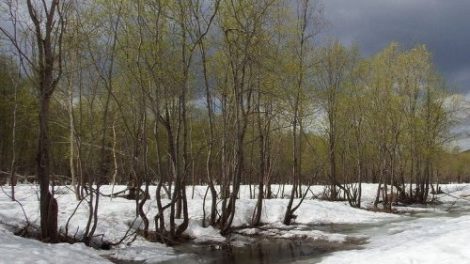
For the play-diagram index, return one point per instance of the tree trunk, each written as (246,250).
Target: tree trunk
(48,204)
(13,178)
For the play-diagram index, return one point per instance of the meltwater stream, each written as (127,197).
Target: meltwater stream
(247,250)
(262,250)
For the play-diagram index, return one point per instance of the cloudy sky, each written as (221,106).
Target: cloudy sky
(442,25)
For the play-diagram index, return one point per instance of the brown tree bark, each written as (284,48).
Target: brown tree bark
(47,70)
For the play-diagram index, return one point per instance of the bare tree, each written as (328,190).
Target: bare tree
(45,67)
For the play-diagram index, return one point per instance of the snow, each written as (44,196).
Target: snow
(297,232)
(440,235)
(427,240)
(15,249)
(434,237)
(203,234)
(146,254)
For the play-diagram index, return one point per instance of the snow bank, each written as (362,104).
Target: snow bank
(14,249)
(273,231)
(428,240)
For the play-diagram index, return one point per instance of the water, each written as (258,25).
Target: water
(251,250)
(261,250)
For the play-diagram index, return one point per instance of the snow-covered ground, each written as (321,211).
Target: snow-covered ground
(441,235)
(15,249)
(424,240)
(399,239)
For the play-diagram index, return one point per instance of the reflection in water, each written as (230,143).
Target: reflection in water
(261,250)
(271,251)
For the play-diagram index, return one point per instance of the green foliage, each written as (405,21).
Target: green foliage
(385,112)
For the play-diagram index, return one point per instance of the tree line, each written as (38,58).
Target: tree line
(213,92)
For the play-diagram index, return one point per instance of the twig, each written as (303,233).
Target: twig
(73,213)
(28,223)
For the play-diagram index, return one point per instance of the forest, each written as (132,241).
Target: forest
(168,98)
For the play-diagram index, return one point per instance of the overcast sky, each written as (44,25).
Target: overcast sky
(442,25)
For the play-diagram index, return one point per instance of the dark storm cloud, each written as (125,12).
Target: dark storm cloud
(442,25)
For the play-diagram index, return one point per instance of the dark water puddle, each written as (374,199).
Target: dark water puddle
(262,250)
(123,261)
(251,250)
